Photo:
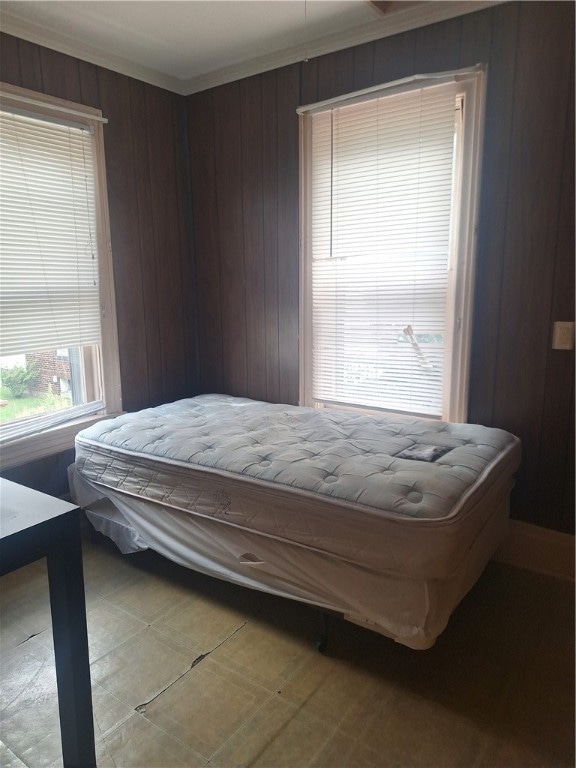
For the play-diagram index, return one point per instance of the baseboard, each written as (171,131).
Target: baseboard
(538,549)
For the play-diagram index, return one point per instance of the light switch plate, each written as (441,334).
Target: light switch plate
(563,335)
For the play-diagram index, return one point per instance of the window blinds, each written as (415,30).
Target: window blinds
(49,294)
(381,188)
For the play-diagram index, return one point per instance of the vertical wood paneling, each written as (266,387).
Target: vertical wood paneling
(335,74)
(10,60)
(48,475)
(309,82)
(60,76)
(476,48)
(184,319)
(206,241)
(88,74)
(531,230)
(491,243)
(146,265)
(30,66)
(556,455)
(190,363)
(438,46)
(476,38)
(121,175)
(394,58)
(270,184)
(288,233)
(169,289)
(251,127)
(228,149)
(363,72)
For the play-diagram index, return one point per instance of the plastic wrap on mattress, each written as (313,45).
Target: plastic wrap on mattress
(386,520)
(327,480)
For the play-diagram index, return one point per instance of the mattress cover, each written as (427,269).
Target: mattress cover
(335,481)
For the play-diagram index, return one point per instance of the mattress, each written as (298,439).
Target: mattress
(310,498)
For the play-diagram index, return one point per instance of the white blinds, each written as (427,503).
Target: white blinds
(49,294)
(380,193)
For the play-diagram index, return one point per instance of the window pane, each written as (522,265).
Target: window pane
(49,287)
(381,229)
(57,309)
(36,384)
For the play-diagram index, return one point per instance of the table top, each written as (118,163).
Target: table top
(22,508)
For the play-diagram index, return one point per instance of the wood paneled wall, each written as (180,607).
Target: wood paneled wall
(238,159)
(243,140)
(244,176)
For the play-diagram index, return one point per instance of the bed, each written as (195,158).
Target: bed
(385,520)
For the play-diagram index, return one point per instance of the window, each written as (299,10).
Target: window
(389,181)
(58,342)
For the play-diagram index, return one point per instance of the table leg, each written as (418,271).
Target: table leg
(68,606)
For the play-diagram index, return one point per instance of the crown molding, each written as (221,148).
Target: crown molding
(394,24)
(389,24)
(71,46)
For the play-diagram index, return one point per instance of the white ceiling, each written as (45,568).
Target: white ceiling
(189,45)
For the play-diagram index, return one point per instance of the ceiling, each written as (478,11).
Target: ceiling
(190,45)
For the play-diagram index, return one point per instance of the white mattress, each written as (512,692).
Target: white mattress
(326,480)
(313,505)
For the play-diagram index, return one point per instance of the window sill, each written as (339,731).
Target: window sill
(47,443)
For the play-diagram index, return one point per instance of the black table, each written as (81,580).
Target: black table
(34,525)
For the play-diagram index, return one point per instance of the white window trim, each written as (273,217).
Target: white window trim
(461,281)
(461,284)
(53,440)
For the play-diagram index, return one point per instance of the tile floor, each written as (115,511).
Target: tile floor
(189,671)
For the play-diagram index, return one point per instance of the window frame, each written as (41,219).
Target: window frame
(41,442)
(472,85)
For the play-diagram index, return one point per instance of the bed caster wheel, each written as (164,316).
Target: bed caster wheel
(321,644)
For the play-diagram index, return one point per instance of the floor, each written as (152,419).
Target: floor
(189,671)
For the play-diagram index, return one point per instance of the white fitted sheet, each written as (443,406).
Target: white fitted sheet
(311,504)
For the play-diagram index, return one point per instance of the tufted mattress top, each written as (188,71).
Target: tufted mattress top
(327,479)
